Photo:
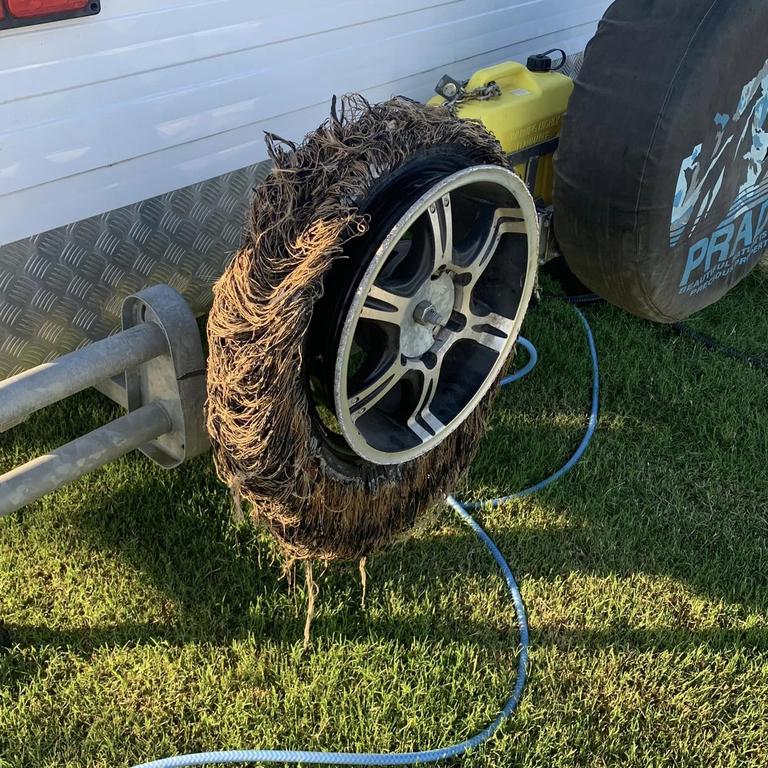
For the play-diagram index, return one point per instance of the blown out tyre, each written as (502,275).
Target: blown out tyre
(661,195)
(390,239)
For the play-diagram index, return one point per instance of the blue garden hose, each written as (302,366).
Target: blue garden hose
(456,750)
(533,359)
(403,758)
(588,435)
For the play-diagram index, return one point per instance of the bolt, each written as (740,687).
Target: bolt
(450,90)
(433,316)
(426,314)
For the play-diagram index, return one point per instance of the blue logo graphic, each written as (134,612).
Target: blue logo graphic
(741,143)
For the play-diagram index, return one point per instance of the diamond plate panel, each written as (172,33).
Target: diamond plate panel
(573,65)
(64,288)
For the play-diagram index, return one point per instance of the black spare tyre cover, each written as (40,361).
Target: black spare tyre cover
(661,195)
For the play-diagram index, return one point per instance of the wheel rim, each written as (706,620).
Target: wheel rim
(436,315)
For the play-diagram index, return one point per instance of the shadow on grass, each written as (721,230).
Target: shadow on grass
(211,574)
(634,506)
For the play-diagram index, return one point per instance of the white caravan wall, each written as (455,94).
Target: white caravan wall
(153,95)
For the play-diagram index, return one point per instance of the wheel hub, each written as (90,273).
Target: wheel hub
(432,307)
(436,315)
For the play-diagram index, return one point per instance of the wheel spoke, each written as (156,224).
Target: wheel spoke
(376,389)
(487,331)
(505,221)
(383,306)
(441,225)
(422,412)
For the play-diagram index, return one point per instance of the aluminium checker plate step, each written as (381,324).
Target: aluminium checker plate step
(64,288)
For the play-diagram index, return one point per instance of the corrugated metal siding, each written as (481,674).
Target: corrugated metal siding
(151,96)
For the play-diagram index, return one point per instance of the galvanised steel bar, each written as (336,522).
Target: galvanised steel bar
(63,465)
(38,387)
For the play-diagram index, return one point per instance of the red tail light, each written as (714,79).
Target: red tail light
(20,13)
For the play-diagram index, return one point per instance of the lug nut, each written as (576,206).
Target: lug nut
(426,314)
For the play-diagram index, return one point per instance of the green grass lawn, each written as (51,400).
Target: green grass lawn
(145,622)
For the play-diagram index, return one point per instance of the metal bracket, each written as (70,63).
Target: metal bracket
(548,247)
(160,355)
(529,157)
(176,379)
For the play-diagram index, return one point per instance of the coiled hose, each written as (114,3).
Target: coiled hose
(455,750)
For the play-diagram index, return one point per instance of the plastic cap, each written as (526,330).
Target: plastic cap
(540,63)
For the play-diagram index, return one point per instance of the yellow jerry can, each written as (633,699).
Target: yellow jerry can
(528,112)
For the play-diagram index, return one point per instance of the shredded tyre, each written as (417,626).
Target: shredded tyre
(316,222)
